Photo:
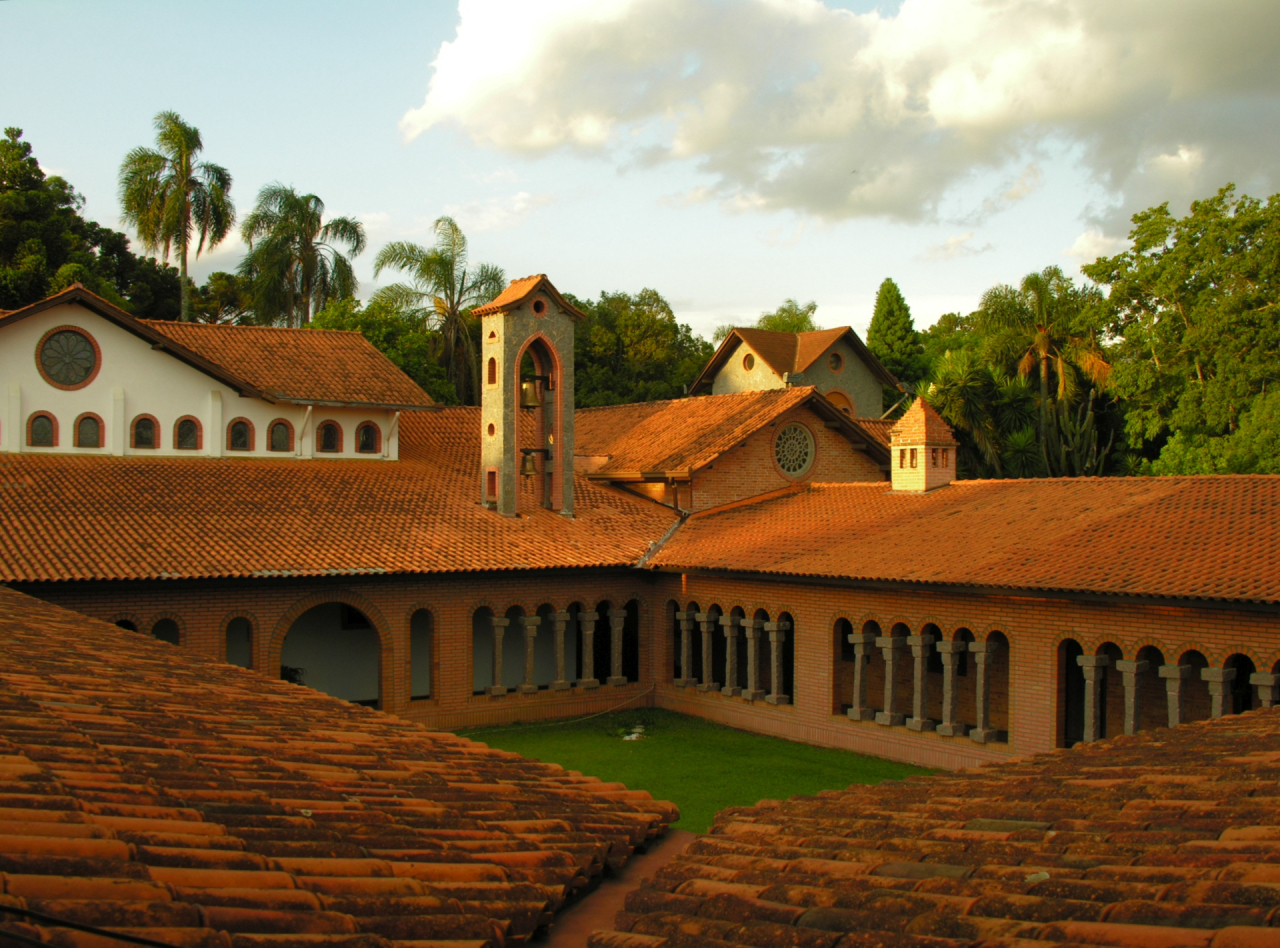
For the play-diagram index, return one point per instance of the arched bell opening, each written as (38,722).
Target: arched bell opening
(539,430)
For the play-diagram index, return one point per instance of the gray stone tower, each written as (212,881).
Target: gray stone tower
(526,403)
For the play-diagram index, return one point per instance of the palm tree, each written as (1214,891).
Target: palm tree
(441,295)
(294,266)
(165,194)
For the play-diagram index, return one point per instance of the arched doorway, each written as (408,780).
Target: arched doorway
(1241,693)
(631,642)
(875,668)
(843,661)
(334,648)
(1152,698)
(1196,703)
(239,636)
(1070,693)
(1110,693)
(420,633)
(998,664)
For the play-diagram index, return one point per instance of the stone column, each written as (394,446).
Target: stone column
(920,652)
(752,628)
(730,625)
(617,619)
(707,621)
(1174,676)
(561,623)
(1219,680)
(889,648)
(863,643)
(984,656)
(499,632)
(587,622)
(686,650)
(950,654)
(530,625)
(777,638)
(1129,672)
(1094,668)
(1265,686)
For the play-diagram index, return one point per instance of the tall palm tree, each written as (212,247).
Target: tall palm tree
(294,265)
(166,194)
(441,294)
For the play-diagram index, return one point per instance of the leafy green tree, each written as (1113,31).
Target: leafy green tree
(294,265)
(440,296)
(950,333)
(167,196)
(992,413)
(399,336)
(631,349)
(892,336)
(789,317)
(224,298)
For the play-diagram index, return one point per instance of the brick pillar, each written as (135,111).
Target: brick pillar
(730,625)
(920,652)
(950,654)
(1174,676)
(499,632)
(530,625)
(752,628)
(777,638)
(617,619)
(863,643)
(1219,680)
(984,656)
(1265,686)
(889,647)
(561,620)
(686,650)
(1129,672)
(587,622)
(707,621)
(1094,667)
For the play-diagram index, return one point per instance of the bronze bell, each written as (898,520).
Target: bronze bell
(529,395)
(528,466)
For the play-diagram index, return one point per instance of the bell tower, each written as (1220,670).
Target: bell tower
(526,402)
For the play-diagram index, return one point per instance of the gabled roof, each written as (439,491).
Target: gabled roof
(921,424)
(1166,838)
(1209,537)
(178,517)
(180,798)
(520,290)
(789,352)
(673,439)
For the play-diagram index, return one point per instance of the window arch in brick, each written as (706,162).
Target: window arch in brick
(188,434)
(144,433)
(42,430)
(240,435)
(88,431)
(240,642)
(368,438)
(167,630)
(280,436)
(329,437)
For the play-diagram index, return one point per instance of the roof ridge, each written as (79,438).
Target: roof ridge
(221,326)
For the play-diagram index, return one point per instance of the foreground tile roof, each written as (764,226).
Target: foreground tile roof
(1169,838)
(188,801)
(1213,537)
(337,368)
(68,517)
(680,436)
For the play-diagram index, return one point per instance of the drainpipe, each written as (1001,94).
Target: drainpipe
(391,433)
(302,431)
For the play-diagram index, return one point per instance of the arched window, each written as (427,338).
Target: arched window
(88,431)
(280,436)
(493,371)
(166,630)
(186,435)
(368,438)
(240,642)
(42,430)
(240,436)
(420,655)
(329,438)
(145,432)
(127,624)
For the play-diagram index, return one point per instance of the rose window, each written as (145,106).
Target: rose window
(794,450)
(68,357)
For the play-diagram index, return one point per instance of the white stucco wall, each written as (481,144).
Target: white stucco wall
(854,379)
(733,377)
(134,379)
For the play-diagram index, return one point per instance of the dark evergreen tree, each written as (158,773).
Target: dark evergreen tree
(893,339)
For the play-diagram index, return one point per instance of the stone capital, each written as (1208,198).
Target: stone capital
(562,616)
(891,641)
(588,616)
(1092,661)
(1264,679)
(1176,672)
(920,641)
(730,621)
(952,648)
(1126,667)
(1218,674)
(777,626)
(500,621)
(861,638)
(617,613)
(531,622)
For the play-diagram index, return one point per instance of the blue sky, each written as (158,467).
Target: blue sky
(694,146)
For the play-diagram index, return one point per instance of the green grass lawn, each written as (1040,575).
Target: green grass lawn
(700,766)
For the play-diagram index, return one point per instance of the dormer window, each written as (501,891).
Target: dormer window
(330,438)
(368,438)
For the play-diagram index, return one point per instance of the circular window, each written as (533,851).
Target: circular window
(67,358)
(748,362)
(539,308)
(835,362)
(794,450)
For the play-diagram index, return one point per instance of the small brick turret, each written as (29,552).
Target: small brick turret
(923,449)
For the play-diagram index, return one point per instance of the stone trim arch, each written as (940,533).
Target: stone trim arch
(274,643)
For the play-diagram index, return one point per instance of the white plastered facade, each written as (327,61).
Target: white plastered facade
(853,380)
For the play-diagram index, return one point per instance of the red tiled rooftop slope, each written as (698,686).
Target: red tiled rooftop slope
(204,806)
(921,424)
(64,517)
(1214,537)
(299,364)
(1169,838)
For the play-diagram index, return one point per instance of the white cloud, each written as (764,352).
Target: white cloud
(497,213)
(792,104)
(959,246)
(1093,244)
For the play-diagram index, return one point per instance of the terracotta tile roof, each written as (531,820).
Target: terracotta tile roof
(518,291)
(1210,537)
(185,800)
(68,517)
(300,364)
(921,424)
(1168,838)
(680,436)
(878,428)
(788,352)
